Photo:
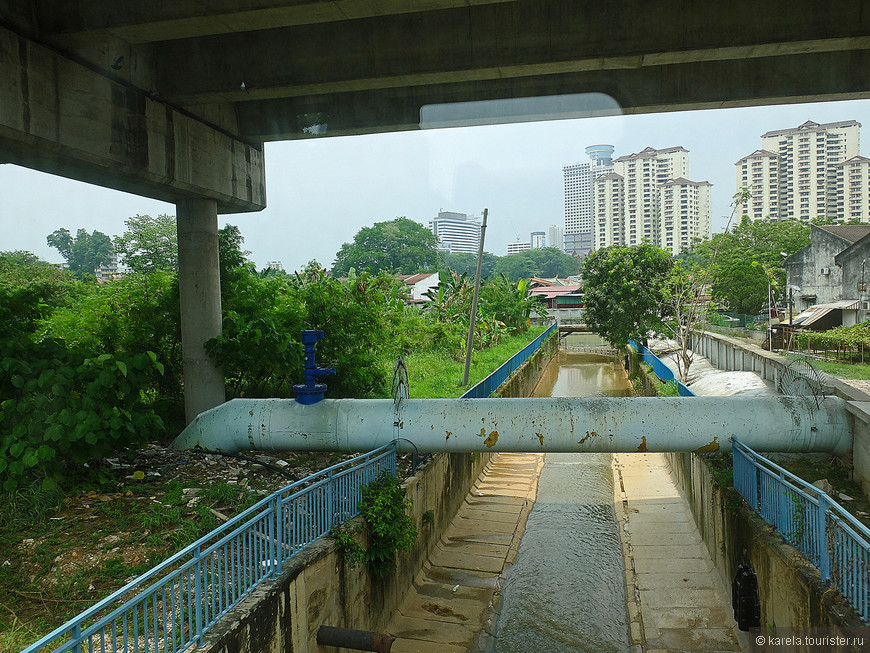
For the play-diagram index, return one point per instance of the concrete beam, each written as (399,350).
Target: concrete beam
(496,42)
(145,22)
(64,118)
(702,85)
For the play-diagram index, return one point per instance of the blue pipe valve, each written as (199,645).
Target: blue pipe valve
(310,392)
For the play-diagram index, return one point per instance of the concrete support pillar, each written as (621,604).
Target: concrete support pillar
(199,286)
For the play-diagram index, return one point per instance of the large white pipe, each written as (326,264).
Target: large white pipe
(589,424)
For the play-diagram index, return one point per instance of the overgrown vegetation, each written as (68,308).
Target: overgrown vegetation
(89,371)
(384,507)
(87,368)
(849,343)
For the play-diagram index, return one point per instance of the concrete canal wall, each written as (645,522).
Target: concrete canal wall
(791,590)
(731,354)
(317,588)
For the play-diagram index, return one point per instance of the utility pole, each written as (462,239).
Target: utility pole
(469,341)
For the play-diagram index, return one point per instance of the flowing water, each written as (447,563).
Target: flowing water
(566,591)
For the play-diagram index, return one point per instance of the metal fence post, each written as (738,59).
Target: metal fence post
(278,538)
(197,592)
(822,538)
(756,473)
(76,634)
(330,505)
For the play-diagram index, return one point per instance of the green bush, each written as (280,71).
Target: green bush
(64,407)
(384,507)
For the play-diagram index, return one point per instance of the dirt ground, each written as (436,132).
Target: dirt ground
(60,554)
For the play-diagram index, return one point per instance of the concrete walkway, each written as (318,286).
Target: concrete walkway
(455,596)
(676,601)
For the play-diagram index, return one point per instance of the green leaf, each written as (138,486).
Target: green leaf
(30,459)
(122,366)
(54,432)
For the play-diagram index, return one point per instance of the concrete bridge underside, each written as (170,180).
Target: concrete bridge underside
(174,100)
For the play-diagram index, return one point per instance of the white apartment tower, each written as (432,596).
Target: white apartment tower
(538,239)
(642,173)
(648,196)
(794,174)
(686,212)
(853,188)
(579,179)
(609,196)
(456,232)
(760,173)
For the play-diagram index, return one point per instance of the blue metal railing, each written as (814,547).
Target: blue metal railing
(812,522)
(662,371)
(172,606)
(491,383)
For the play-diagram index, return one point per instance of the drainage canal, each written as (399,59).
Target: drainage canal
(566,591)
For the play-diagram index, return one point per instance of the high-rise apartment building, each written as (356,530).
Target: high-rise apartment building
(538,239)
(642,174)
(648,197)
(795,173)
(609,203)
(686,213)
(579,192)
(853,189)
(456,232)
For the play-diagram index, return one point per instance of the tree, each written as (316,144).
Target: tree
(687,282)
(148,244)
(543,262)
(748,258)
(624,291)
(29,290)
(465,263)
(401,245)
(85,253)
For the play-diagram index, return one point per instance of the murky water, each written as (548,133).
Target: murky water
(566,591)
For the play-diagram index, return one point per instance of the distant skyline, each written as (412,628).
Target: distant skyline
(321,191)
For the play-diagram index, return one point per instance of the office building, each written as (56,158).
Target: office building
(538,239)
(456,232)
(795,173)
(556,237)
(579,244)
(514,248)
(579,180)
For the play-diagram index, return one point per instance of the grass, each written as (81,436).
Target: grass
(840,369)
(153,519)
(438,374)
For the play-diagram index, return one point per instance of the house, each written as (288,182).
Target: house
(419,284)
(553,296)
(825,279)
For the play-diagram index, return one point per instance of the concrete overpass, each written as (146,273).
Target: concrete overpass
(174,100)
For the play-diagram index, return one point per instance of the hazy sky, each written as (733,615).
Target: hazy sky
(320,192)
